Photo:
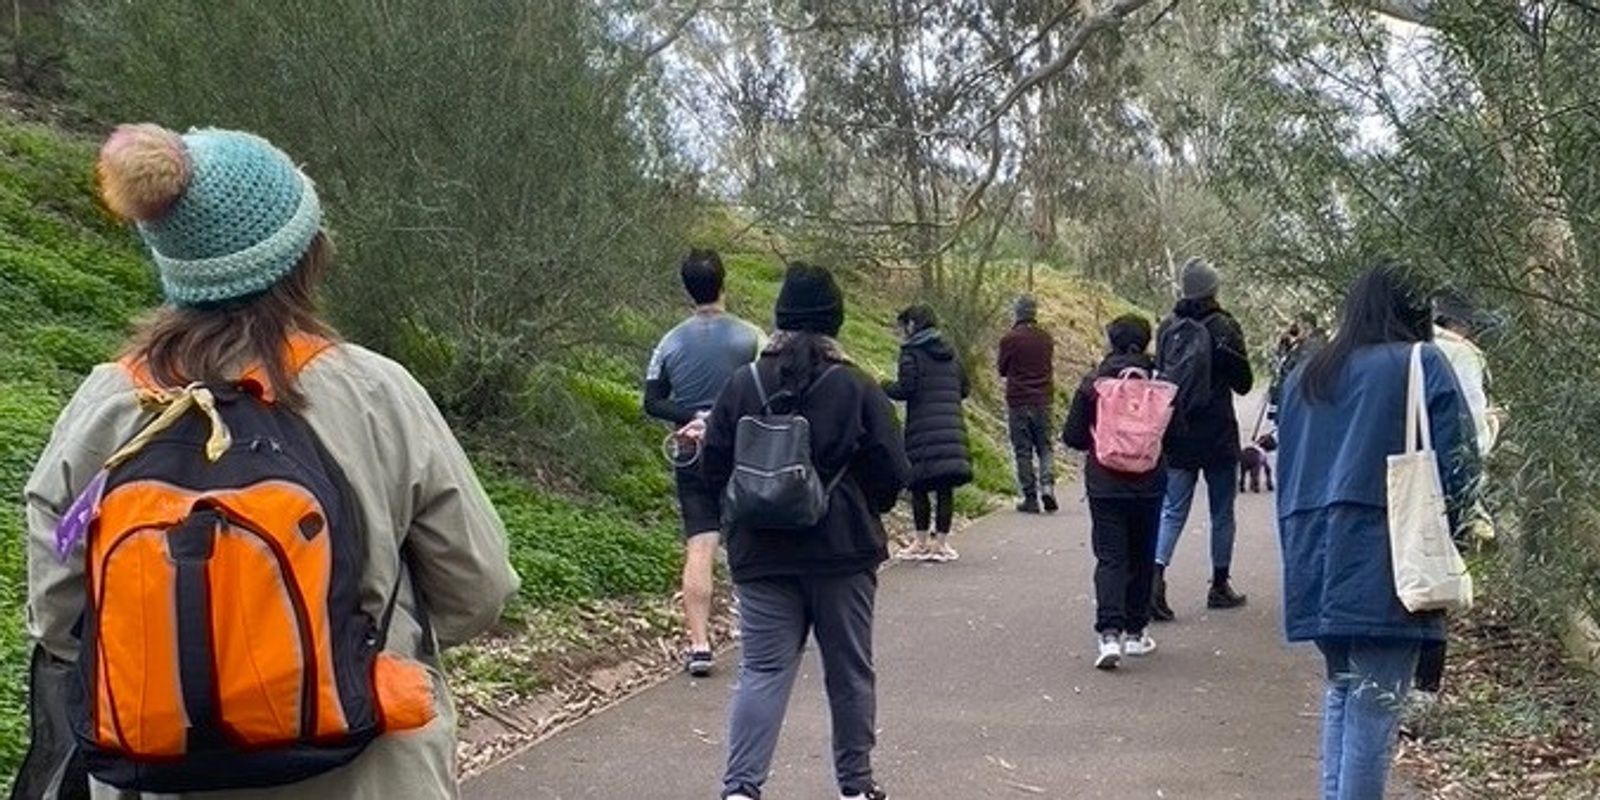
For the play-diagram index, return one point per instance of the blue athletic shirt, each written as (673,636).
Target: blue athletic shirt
(697,356)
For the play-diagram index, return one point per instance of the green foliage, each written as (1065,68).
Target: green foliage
(493,170)
(566,552)
(27,411)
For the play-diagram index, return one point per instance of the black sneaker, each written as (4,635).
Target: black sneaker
(698,662)
(1029,504)
(1049,502)
(1222,595)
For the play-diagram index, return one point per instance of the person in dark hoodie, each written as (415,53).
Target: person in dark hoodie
(821,581)
(1204,441)
(1124,508)
(932,384)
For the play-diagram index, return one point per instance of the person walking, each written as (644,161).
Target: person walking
(687,369)
(1203,438)
(235,231)
(823,580)
(1455,323)
(1124,507)
(1027,364)
(932,384)
(1343,416)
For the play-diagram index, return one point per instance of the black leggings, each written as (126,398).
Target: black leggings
(944,501)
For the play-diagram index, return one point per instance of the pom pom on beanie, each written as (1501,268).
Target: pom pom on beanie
(142,170)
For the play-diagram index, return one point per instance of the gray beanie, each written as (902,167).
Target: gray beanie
(1025,308)
(1199,279)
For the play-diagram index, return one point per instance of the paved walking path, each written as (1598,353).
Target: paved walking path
(986,689)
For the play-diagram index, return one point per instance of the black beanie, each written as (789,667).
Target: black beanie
(1129,333)
(810,300)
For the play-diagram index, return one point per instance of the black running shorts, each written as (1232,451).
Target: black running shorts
(698,503)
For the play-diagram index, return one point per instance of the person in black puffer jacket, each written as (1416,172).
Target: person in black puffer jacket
(932,384)
(821,581)
(1124,507)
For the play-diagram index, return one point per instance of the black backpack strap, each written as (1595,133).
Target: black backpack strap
(838,476)
(761,390)
(404,566)
(814,381)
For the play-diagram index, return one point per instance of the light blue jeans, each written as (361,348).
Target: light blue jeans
(1222,486)
(1367,682)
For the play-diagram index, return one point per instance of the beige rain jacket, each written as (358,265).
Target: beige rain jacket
(413,483)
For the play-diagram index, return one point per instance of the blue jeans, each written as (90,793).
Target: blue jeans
(1367,682)
(775,614)
(1222,486)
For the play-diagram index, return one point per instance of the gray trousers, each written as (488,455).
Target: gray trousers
(1031,438)
(775,614)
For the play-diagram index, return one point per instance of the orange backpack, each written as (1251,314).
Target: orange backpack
(223,641)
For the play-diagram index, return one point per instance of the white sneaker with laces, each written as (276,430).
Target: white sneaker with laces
(1138,644)
(1110,651)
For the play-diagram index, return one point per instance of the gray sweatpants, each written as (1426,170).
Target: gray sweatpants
(775,614)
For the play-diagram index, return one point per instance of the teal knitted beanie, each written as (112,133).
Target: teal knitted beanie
(225,213)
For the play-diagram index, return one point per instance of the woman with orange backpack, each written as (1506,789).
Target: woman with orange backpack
(250,536)
(1124,495)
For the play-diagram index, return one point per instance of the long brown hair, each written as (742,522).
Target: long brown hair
(219,343)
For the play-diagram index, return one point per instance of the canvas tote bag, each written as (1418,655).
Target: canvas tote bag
(1429,573)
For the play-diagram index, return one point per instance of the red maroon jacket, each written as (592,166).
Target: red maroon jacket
(1027,363)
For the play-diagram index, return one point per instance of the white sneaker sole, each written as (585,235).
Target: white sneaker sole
(1108,661)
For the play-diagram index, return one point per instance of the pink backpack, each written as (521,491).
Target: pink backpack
(1131,414)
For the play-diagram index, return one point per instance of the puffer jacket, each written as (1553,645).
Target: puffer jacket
(1078,434)
(932,384)
(853,429)
(416,491)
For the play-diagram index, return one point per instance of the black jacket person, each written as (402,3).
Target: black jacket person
(932,384)
(822,580)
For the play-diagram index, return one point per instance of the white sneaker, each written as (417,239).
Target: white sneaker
(1110,651)
(1138,644)
(941,552)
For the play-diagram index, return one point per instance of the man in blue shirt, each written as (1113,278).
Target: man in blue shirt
(686,373)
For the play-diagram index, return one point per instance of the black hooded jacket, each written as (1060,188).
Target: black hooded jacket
(852,428)
(1210,437)
(932,384)
(1078,434)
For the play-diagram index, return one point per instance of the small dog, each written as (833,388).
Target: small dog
(1253,463)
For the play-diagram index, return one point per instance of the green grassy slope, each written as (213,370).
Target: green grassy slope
(69,281)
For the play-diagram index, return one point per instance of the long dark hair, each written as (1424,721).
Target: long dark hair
(1385,305)
(801,357)
(215,344)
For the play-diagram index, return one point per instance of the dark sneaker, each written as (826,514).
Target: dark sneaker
(698,662)
(1159,610)
(1222,595)
(1029,504)
(1049,502)
(873,792)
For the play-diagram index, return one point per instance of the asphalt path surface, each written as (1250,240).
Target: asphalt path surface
(986,688)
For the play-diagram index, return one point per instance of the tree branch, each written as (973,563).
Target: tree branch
(1417,12)
(1091,25)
